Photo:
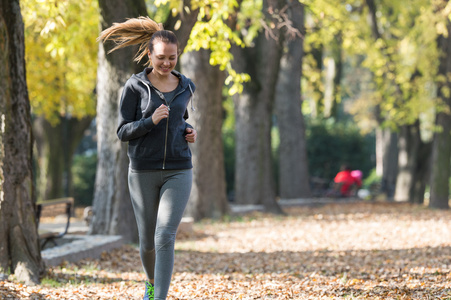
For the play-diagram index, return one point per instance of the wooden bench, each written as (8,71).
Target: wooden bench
(53,208)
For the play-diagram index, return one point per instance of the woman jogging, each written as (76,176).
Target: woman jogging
(152,119)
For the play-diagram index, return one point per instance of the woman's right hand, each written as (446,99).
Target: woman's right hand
(160,113)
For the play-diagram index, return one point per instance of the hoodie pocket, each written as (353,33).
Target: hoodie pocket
(178,146)
(146,151)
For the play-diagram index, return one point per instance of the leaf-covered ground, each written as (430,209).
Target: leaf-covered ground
(337,251)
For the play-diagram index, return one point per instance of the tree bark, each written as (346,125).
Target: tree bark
(387,160)
(422,172)
(19,244)
(208,196)
(409,144)
(56,146)
(441,149)
(112,208)
(293,162)
(254,182)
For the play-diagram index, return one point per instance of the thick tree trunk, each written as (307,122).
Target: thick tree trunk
(112,208)
(293,163)
(208,196)
(254,182)
(19,246)
(56,146)
(441,153)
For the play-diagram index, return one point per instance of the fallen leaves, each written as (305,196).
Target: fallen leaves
(338,251)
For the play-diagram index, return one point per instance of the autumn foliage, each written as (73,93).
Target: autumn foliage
(338,251)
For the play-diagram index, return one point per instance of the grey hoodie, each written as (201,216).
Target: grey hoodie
(150,146)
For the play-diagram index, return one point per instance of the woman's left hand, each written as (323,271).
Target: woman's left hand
(190,135)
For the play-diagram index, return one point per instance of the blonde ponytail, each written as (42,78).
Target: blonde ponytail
(136,31)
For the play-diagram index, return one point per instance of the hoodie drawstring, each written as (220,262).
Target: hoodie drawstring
(150,96)
(192,97)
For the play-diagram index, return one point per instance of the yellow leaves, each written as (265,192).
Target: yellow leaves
(61,56)
(237,81)
(53,25)
(160,2)
(216,36)
(441,29)
(177,25)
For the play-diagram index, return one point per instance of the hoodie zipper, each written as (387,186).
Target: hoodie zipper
(167,122)
(169,109)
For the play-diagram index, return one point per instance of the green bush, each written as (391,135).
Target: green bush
(331,144)
(83,178)
(372,180)
(228,138)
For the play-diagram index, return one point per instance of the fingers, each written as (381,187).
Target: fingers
(191,135)
(160,113)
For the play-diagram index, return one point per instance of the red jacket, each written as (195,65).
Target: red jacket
(347,181)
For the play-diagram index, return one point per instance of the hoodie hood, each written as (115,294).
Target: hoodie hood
(185,83)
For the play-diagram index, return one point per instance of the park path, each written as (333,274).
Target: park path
(335,251)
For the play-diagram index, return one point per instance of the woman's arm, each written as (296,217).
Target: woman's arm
(129,128)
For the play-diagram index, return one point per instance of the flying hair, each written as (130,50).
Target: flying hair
(136,31)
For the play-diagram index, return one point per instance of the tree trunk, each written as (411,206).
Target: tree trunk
(208,196)
(403,164)
(414,158)
(332,85)
(441,152)
(56,146)
(409,143)
(254,182)
(112,208)
(293,162)
(19,244)
(387,160)
(422,172)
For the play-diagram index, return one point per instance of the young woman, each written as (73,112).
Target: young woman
(152,119)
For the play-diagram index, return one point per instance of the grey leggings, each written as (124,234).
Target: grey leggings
(159,199)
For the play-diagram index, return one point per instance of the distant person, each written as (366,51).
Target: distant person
(346,180)
(152,119)
(357,175)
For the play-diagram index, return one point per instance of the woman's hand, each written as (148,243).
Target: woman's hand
(190,135)
(160,113)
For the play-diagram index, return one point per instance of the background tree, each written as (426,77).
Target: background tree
(406,85)
(208,197)
(19,247)
(61,55)
(112,208)
(206,62)
(293,161)
(254,178)
(441,155)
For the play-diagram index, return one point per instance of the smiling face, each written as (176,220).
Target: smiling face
(163,57)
